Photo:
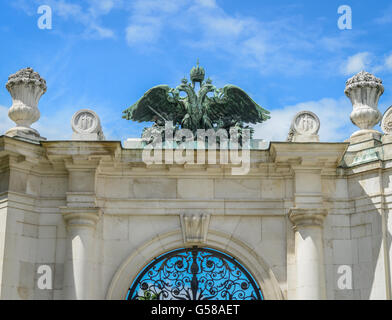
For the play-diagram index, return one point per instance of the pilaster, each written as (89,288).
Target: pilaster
(308,227)
(308,163)
(81,216)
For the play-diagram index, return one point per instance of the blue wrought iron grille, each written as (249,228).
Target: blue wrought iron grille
(194,274)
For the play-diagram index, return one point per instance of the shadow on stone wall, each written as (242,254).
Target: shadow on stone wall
(363,249)
(369,275)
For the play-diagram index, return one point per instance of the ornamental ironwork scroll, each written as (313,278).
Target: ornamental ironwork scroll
(194,274)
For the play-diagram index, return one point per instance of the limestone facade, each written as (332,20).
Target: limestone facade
(306,214)
(97,214)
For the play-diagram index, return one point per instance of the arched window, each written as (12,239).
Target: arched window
(194,274)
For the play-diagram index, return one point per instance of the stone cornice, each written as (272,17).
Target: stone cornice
(14,146)
(309,154)
(57,150)
(110,156)
(307,217)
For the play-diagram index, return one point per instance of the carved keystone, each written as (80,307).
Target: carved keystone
(195,227)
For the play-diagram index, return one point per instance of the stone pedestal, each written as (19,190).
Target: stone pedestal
(364,141)
(308,225)
(78,275)
(364,148)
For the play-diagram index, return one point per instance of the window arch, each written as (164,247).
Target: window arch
(194,274)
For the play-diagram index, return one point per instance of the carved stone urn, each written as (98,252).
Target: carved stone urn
(364,91)
(26,88)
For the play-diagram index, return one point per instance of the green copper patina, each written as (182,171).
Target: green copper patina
(209,108)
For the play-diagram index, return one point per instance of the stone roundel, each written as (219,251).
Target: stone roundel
(306,123)
(386,122)
(85,121)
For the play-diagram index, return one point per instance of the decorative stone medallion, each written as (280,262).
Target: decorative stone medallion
(85,121)
(86,125)
(306,123)
(386,122)
(304,127)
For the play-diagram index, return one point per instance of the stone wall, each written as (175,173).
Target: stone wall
(124,213)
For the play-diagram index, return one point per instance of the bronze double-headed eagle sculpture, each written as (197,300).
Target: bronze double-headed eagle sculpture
(207,108)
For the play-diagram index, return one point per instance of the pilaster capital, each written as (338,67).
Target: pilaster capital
(81,217)
(306,217)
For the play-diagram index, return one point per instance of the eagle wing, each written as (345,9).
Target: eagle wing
(157,104)
(232,105)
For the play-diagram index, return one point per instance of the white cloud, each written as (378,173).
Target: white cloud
(102,7)
(142,33)
(334,118)
(222,25)
(278,44)
(53,127)
(268,46)
(386,18)
(149,18)
(388,62)
(65,9)
(88,17)
(5,122)
(356,63)
(368,62)
(208,3)
(102,32)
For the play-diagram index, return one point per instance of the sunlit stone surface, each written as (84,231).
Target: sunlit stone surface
(26,88)
(306,215)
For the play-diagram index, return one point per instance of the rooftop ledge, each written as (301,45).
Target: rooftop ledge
(138,143)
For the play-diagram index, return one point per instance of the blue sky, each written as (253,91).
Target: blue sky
(104,54)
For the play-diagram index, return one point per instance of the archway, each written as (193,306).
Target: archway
(195,273)
(138,259)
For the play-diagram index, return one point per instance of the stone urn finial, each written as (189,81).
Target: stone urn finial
(364,91)
(26,88)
